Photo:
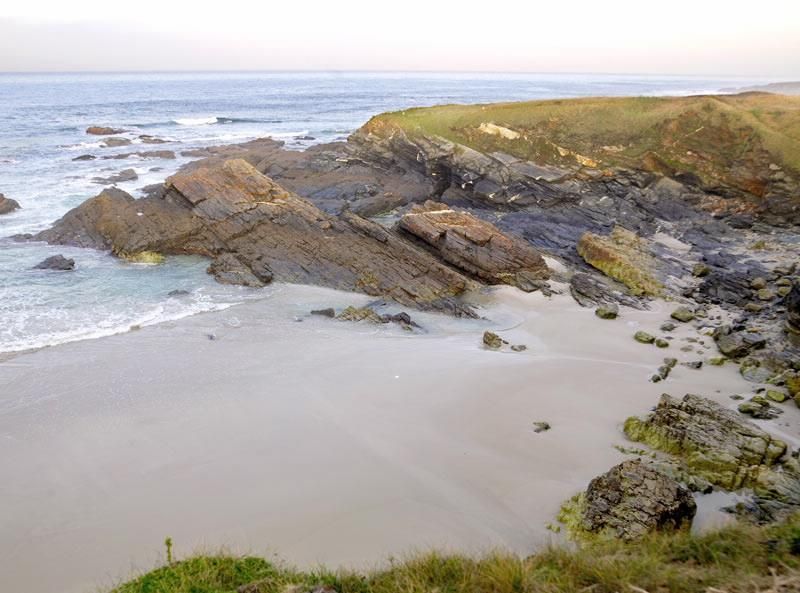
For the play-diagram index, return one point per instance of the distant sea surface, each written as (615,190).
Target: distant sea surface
(43,118)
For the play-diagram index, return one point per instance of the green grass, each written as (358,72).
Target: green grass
(736,558)
(726,138)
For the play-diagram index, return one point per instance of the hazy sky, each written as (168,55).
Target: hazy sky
(753,38)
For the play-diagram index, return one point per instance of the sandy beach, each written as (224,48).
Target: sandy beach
(318,440)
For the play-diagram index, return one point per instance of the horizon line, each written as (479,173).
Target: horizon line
(398,71)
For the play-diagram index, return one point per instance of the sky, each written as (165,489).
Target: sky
(682,37)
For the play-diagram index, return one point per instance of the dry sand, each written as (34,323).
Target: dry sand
(321,441)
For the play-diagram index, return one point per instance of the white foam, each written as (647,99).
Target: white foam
(196,121)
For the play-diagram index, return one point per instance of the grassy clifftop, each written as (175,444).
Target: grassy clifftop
(726,139)
(738,558)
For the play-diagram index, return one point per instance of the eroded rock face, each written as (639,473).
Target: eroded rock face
(228,207)
(7,205)
(475,246)
(715,443)
(633,498)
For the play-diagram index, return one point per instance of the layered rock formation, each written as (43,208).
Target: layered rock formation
(257,230)
(475,246)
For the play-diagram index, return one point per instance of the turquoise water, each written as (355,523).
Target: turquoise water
(42,123)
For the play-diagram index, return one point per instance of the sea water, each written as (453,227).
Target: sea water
(43,118)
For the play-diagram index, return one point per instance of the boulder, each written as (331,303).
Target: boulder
(103,131)
(475,246)
(114,142)
(623,256)
(682,314)
(607,311)
(56,262)
(121,177)
(7,205)
(644,337)
(633,498)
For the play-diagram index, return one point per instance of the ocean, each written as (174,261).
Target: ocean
(43,118)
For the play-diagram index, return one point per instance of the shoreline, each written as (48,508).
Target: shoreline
(401,441)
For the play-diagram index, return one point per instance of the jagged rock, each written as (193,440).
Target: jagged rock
(228,207)
(7,205)
(56,262)
(683,314)
(492,340)
(714,442)
(622,256)
(607,311)
(475,246)
(737,344)
(586,290)
(121,177)
(178,293)
(633,498)
(103,131)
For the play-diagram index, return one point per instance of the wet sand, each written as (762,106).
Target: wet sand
(319,441)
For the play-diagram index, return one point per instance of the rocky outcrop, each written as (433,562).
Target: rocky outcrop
(720,446)
(7,205)
(793,308)
(229,208)
(633,499)
(56,262)
(715,442)
(475,247)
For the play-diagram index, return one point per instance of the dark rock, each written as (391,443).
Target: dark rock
(329,312)
(541,427)
(56,262)
(103,131)
(792,302)
(85,157)
(694,364)
(644,337)
(587,291)
(147,139)
(7,205)
(178,293)
(667,326)
(634,498)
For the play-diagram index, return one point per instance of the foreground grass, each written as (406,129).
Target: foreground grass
(735,559)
